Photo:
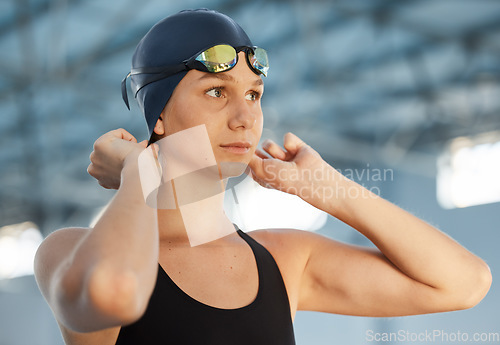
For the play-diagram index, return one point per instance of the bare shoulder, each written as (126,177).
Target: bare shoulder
(291,249)
(277,235)
(284,240)
(291,244)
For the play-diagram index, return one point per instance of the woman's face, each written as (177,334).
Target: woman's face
(227,103)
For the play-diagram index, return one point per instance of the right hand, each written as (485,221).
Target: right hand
(109,155)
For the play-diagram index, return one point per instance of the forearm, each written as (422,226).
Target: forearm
(418,269)
(125,238)
(114,267)
(419,250)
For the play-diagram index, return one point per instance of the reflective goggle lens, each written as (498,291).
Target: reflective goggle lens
(219,58)
(223,57)
(258,59)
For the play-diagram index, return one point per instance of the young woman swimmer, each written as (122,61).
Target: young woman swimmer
(147,273)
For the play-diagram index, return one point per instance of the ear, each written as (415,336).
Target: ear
(159,127)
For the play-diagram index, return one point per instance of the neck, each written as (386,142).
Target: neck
(191,198)
(199,215)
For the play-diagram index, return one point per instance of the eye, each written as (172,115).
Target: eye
(215,92)
(253,96)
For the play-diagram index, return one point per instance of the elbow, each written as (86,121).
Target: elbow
(102,299)
(116,296)
(476,289)
(481,287)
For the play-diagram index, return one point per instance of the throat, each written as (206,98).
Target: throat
(196,223)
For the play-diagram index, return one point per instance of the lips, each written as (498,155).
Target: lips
(239,147)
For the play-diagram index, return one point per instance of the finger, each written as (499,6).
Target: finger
(90,169)
(273,149)
(123,134)
(144,143)
(261,154)
(105,186)
(292,143)
(256,166)
(255,162)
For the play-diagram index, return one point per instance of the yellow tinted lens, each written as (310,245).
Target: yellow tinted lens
(219,58)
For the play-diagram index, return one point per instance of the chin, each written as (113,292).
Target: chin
(232,168)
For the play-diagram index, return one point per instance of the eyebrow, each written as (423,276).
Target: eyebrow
(228,77)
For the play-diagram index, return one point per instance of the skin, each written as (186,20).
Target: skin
(415,268)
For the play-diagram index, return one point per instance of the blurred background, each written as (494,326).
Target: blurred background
(401,96)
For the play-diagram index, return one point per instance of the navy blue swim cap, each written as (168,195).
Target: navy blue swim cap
(170,42)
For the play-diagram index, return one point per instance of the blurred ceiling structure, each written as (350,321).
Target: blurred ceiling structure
(379,81)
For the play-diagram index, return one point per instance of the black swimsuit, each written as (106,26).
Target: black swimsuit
(173,317)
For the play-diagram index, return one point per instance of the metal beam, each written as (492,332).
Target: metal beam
(34,9)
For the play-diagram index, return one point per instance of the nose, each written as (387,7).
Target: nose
(243,115)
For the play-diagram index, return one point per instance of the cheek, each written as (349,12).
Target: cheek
(259,123)
(182,116)
(214,131)
(260,118)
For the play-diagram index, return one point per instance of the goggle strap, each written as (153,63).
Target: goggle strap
(152,79)
(159,73)
(124,91)
(159,70)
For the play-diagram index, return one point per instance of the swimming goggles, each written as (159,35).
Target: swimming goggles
(219,58)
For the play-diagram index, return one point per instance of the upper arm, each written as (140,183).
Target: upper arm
(53,255)
(346,279)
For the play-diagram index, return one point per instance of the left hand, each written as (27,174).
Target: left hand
(291,169)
